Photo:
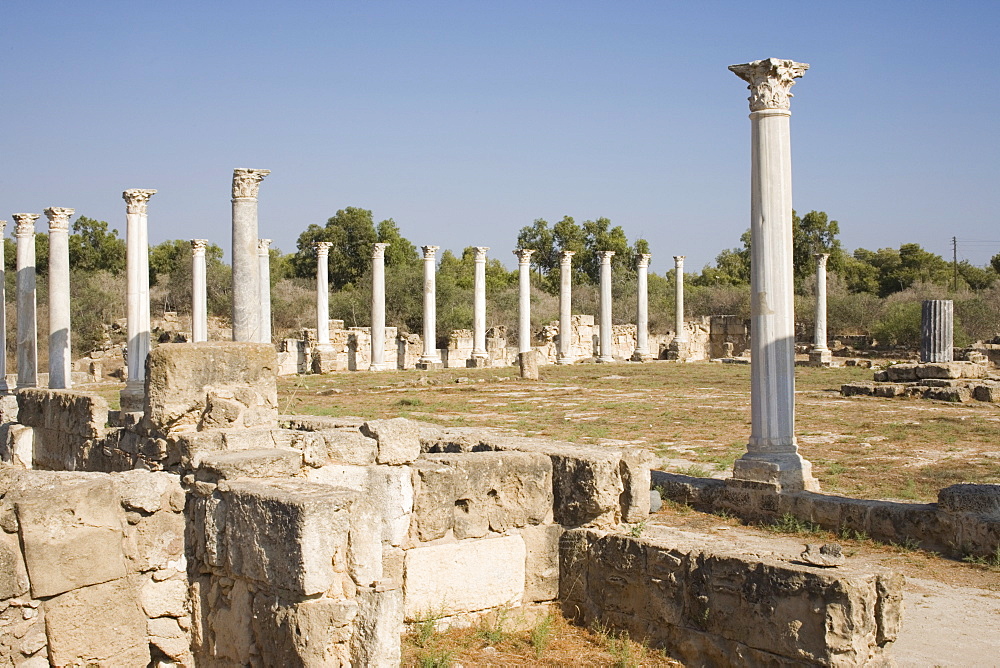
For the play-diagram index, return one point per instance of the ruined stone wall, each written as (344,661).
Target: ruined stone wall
(92,569)
(725,329)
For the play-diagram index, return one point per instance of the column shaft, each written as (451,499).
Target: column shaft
(378,307)
(937,318)
(3,311)
(27,332)
(264,274)
(60,354)
(524,299)
(322,292)
(137,293)
(479,305)
(199,291)
(565,308)
(246,273)
(642,308)
(680,332)
(606,354)
(430,356)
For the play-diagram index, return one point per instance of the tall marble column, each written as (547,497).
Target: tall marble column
(607,338)
(820,355)
(524,299)
(937,330)
(199,291)
(27,318)
(322,292)
(3,311)
(137,293)
(378,307)
(641,352)
(680,332)
(772,453)
(479,306)
(60,353)
(246,274)
(563,355)
(430,359)
(264,273)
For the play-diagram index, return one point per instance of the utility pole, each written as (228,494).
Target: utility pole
(954,263)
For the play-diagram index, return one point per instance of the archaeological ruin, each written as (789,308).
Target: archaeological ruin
(198,525)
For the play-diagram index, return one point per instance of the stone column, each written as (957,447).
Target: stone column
(937,317)
(607,339)
(137,293)
(246,274)
(378,307)
(60,353)
(479,354)
(524,299)
(641,353)
(322,292)
(680,333)
(565,308)
(27,324)
(820,355)
(3,312)
(264,278)
(199,291)
(430,359)
(772,453)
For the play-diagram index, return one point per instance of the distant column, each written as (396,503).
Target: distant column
(680,332)
(246,274)
(937,320)
(137,292)
(641,353)
(27,324)
(772,453)
(3,312)
(479,306)
(199,291)
(60,353)
(264,272)
(430,358)
(322,292)
(378,307)
(524,299)
(606,354)
(820,355)
(565,307)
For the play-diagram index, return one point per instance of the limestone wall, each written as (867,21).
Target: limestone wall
(92,569)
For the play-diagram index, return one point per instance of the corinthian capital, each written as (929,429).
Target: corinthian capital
(246,182)
(25,224)
(198,246)
(481,253)
(821,258)
(322,248)
(606,256)
(567,257)
(770,80)
(642,260)
(136,199)
(429,251)
(262,246)
(378,251)
(524,255)
(58,218)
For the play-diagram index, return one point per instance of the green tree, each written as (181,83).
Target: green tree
(352,233)
(539,237)
(400,251)
(811,234)
(598,235)
(93,247)
(977,278)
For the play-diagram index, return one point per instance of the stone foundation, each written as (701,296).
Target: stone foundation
(945,381)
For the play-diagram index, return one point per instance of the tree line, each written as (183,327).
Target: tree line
(873,293)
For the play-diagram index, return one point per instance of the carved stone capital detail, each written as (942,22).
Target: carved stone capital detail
(59,218)
(821,258)
(378,251)
(136,199)
(524,255)
(3,227)
(25,224)
(429,251)
(246,182)
(679,261)
(567,257)
(770,81)
(606,256)
(322,248)
(198,246)
(642,260)
(481,253)
(262,246)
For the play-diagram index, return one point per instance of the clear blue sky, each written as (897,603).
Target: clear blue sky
(465,121)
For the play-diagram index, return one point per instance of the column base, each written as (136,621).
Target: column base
(605,360)
(679,351)
(429,365)
(821,357)
(477,362)
(324,359)
(787,471)
(564,359)
(527,363)
(133,397)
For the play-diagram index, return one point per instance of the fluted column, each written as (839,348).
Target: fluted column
(3,311)
(606,354)
(246,273)
(479,305)
(524,299)
(60,353)
(322,292)
(378,307)
(264,273)
(642,308)
(772,453)
(565,308)
(937,331)
(430,356)
(820,355)
(137,293)
(199,291)
(680,332)
(27,317)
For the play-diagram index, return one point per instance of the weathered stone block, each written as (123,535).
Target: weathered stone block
(156,542)
(541,565)
(857,389)
(311,633)
(336,446)
(77,413)
(164,599)
(889,390)
(528,364)
(968,498)
(167,635)
(989,393)
(587,487)
(378,628)
(464,577)
(13,575)
(953,394)
(211,385)
(902,373)
(291,534)
(265,463)
(100,624)
(398,439)
(149,492)
(635,465)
